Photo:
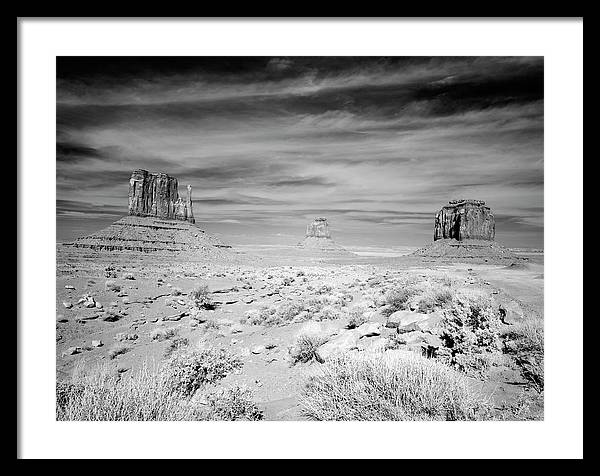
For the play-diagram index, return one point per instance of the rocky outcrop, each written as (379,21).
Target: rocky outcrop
(157,195)
(465,220)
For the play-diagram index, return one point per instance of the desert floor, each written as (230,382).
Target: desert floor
(153,294)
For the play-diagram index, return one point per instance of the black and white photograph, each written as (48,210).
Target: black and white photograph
(300,238)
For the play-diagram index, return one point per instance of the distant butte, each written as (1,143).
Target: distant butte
(318,237)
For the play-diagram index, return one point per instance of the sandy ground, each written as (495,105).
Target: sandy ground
(150,300)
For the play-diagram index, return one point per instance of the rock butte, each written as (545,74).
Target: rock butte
(465,229)
(157,195)
(465,220)
(318,238)
(158,221)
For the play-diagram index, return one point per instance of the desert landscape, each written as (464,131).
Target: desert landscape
(299,238)
(157,319)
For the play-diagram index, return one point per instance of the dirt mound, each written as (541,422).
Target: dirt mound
(470,250)
(151,235)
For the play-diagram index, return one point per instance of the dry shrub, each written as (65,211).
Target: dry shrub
(305,348)
(232,404)
(199,297)
(118,349)
(163,333)
(397,299)
(147,395)
(175,344)
(393,385)
(357,318)
(186,371)
(470,333)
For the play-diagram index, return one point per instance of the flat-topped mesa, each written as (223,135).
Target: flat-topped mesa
(157,195)
(465,220)
(319,228)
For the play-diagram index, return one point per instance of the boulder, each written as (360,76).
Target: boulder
(346,341)
(432,324)
(322,329)
(404,318)
(369,329)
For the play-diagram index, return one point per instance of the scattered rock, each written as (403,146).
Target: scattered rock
(348,340)
(404,318)
(97,343)
(121,336)
(369,329)
(72,351)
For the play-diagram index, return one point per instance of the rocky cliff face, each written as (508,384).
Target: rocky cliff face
(465,220)
(319,228)
(157,195)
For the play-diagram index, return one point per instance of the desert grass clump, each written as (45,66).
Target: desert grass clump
(118,349)
(199,297)
(305,348)
(232,404)
(393,385)
(163,333)
(288,311)
(357,318)
(185,371)
(434,299)
(397,299)
(102,394)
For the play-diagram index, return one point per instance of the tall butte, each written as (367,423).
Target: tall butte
(465,229)
(465,220)
(157,195)
(159,220)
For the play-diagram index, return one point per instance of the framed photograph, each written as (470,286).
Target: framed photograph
(316,223)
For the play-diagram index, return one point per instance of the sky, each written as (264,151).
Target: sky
(375,144)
